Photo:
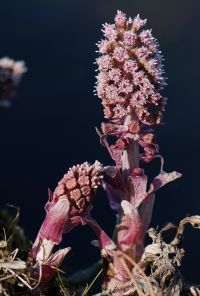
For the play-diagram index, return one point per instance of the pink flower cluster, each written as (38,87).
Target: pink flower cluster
(79,186)
(128,83)
(131,73)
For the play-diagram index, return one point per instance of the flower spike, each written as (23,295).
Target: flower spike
(129,82)
(131,73)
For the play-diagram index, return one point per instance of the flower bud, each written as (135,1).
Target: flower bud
(78,186)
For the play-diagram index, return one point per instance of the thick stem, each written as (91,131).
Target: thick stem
(130,160)
(130,156)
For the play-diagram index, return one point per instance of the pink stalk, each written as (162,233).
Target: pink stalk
(130,156)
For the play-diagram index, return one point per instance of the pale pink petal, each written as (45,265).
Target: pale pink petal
(52,227)
(49,268)
(105,242)
(162,179)
(129,228)
(138,185)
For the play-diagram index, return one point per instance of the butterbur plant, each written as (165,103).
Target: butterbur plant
(129,82)
(130,79)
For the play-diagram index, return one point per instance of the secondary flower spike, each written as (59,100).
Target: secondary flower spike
(130,72)
(67,207)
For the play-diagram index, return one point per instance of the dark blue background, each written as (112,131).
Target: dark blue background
(51,123)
